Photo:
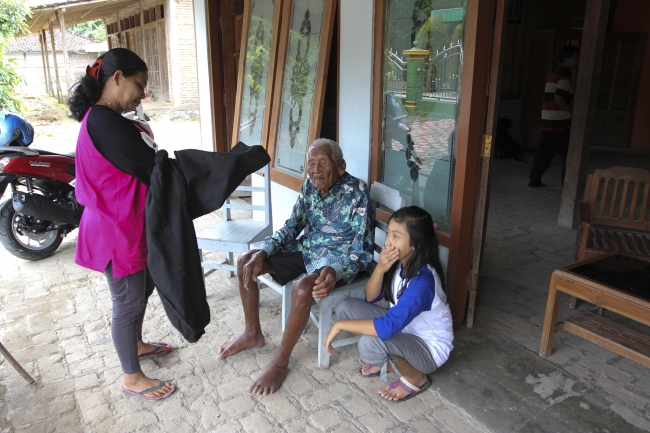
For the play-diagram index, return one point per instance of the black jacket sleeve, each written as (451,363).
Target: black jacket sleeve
(120,142)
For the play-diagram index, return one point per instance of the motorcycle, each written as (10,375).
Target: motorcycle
(42,208)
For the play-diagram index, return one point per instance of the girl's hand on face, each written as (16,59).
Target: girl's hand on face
(387,257)
(331,335)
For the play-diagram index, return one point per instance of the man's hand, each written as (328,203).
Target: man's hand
(253,268)
(325,283)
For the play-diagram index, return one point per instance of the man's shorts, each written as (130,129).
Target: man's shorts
(289,266)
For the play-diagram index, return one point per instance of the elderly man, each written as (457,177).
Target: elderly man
(334,207)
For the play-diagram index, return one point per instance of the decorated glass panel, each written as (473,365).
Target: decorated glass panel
(298,86)
(256,71)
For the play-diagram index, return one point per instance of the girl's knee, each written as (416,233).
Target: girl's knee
(344,309)
(372,350)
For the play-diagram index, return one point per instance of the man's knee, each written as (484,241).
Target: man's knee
(304,287)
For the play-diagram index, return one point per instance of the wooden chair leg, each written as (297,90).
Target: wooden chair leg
(573,302)
(550,319)
(15,364)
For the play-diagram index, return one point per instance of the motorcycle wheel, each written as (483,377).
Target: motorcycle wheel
(25,246)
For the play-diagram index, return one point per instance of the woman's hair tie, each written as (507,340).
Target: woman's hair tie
(435,226)
(93,71)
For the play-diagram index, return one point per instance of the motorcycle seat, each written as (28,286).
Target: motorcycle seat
(71,154)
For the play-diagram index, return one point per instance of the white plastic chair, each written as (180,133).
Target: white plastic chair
(236,236)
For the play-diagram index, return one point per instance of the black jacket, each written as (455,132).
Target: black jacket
(181,189)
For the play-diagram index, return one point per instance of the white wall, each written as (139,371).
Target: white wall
(355,87)
(203,73)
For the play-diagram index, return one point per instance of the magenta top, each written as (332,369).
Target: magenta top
(113,223)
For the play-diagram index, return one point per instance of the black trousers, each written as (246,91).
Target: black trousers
(550,143)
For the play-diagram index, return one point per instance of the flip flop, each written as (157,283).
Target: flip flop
(368,375)
(408,386)
(162,348)
(147,391)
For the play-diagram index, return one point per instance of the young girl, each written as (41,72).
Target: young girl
(414,337)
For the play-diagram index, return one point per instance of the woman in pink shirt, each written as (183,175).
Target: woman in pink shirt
(113,167)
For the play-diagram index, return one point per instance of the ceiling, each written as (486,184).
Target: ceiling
(74,12)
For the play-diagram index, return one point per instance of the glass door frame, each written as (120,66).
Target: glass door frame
(479,25)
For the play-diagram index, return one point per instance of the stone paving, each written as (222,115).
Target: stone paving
(55,320)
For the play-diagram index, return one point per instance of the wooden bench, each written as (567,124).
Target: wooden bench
(614,215)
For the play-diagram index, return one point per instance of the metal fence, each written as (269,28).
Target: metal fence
(440,73)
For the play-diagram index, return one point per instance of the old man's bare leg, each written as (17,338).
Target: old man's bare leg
(252,335)
(275,372)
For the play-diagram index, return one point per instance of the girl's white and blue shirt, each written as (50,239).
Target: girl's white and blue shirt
(422,310)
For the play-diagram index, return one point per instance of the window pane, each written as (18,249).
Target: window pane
(298,86)
(423,59)
(256,71)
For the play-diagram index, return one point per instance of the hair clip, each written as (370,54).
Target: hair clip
(93,71)
(435,226)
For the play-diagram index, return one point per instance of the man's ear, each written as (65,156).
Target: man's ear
(342,167)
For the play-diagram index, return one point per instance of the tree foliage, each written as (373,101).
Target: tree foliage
(94,29)
(13,14)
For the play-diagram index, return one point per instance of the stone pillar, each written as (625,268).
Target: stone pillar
(414,62)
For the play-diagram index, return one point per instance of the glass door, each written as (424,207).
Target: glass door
(422,64)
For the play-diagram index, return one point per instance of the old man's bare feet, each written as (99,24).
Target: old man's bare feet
(271,378)
(245,341)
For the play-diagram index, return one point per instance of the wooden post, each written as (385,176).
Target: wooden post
(48,77)
(584,107)
(40,39)
(56,67)
(64,47)
(15,364)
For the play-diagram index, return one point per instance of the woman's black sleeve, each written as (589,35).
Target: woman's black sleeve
(120,142)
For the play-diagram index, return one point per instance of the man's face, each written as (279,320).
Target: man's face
(572,62)
(321,169)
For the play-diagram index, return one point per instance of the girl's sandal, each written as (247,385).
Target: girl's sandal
(366,365)
(409,387)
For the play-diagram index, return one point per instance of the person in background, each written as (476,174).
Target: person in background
(414,336)
(113,168)
(557,113)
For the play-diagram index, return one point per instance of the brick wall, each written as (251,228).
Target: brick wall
(181,46)
(184,23)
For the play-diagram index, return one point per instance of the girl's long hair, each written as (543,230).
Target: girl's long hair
(88,90)
(419,226)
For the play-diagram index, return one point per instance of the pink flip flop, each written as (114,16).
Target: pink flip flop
(147,391)
(162,348)
(408,386)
